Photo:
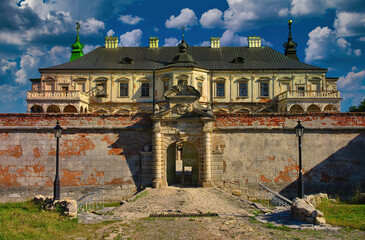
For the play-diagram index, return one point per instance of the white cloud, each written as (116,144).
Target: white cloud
(349,24)
(7,65)
(110,33)
(155,29)
(229,38)
(131,39)
(212,18)
(129,19)
(92,26)
(283,12)
(170,42)
(205,44)
(186,18)
(352,81)
(11,96)
(323,44)
(362,39)
(354,68)
(88,48)
(307,7)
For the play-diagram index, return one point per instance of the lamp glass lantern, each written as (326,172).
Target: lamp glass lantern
(57,130)
(299,130)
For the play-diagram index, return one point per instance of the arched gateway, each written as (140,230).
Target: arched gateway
(182,152)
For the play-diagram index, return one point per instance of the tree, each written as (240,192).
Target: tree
(360,108)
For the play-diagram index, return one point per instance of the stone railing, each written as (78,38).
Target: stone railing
(58,95)
(308,94)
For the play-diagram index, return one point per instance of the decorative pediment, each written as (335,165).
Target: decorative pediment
(182,92)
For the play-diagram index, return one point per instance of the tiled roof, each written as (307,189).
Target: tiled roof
(145,58)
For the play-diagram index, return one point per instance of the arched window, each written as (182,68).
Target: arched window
(296,109)
(313,108)
(36,109)
(70,109)
(53,109)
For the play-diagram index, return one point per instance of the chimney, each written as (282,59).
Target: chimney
(154,42)
(254,42)
(111,42)
(214,42)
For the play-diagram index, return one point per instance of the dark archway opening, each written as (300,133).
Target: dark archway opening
(182,164)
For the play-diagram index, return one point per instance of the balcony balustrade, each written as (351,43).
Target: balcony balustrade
(58,95)
(333,94)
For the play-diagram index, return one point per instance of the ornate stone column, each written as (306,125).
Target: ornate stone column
(207,176)
(156,149)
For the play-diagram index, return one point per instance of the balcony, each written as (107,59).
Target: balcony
(328,94)
(58,95)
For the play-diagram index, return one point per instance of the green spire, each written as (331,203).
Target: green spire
(77,46)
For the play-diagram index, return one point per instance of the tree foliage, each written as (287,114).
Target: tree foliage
(360,108)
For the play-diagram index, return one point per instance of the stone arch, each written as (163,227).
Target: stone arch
(36,109)
(123,111)
(81,109)
(313,109)
(70,109)
(243,110)
(101,111)
(85,110)
(330,108)
(53,109)
(296,108)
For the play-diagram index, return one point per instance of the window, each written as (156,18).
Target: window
(165,86)
(80,87)
(64,89)
(101,89)
(220,89)
(200,87)
(264,89)
(145,90)
(300,88)
(123,89)
(242,89)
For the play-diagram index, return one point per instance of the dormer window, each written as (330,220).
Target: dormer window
(126,60)
(238,60)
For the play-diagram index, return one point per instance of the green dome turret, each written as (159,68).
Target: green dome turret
(77,46)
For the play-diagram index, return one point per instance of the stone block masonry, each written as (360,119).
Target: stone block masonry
(95,151)
(116,152)
(265,149)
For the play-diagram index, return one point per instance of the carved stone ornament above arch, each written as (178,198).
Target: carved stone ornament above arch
(144,80)
(242,79)
(220,79)
(182,76)
(122,79)
(165,77)
(79,79)
(100,79)
(49,79)
(285,79)
(263,79)
(314,79)
(200,78)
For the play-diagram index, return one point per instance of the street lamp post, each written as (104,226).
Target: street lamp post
(56,187)
(299,131)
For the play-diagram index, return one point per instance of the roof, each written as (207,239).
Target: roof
(144,58)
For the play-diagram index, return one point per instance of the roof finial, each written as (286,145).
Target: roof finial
(78,26)
(183,30)
(290,46)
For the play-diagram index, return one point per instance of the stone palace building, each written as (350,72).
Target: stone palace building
(130,80)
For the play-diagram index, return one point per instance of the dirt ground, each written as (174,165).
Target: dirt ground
(235,220)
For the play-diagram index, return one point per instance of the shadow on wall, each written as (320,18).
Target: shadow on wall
(128,145)
(341,174)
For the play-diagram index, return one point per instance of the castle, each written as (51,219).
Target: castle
(131,80)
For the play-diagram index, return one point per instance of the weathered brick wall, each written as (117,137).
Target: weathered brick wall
(105,150)
(94,151)
(265,149)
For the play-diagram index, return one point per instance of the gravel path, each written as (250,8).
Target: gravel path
(183,200)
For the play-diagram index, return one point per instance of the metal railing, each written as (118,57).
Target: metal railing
(58,95)
(93,200)
(268,196)
(308,94)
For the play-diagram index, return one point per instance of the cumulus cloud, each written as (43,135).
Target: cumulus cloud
(283,12)
(11,96)
(91,25)
(131,39)
(170,42)
(353,80)
(323,44)
(205,44)
(229,38)
(130,20)
(110,33)
(349,24)
(7,65)
(306,7)
(362,39)
(88,48)
(186,18)
(212,18)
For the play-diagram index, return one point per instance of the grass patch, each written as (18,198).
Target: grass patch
(344,214)
(139,196)
(28,221)
(272,226)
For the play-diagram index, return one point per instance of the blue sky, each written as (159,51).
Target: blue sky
(38,33)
